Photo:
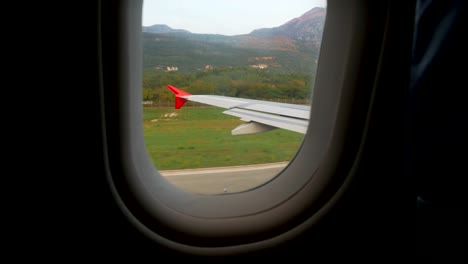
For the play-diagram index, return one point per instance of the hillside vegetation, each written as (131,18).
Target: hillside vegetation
(276,63)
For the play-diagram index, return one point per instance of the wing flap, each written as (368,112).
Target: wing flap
(251,128)
(283,110)
(294,124)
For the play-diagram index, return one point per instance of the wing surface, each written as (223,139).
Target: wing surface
(260,115)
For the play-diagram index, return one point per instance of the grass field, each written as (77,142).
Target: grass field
(200,137)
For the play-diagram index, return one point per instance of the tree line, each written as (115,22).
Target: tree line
(245,82)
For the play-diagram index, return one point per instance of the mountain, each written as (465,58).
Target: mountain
(307,27)
(162,29)
(291,47)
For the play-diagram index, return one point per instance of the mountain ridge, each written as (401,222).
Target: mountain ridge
(307,27)
(291,47)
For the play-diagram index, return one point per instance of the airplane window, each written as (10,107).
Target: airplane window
(237,99)
(227,88)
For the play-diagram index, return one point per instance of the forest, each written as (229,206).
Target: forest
(229,66)
(243,82)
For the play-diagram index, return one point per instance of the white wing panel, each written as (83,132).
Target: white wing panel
(279,110)
(292,110)
(282,115)
(288,123)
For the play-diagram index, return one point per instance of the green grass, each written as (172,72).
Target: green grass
(200,137)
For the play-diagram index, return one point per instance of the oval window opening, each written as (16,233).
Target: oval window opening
(227,88)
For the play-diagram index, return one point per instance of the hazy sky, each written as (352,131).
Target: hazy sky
(226,17)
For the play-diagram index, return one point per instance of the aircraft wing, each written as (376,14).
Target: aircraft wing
(259,115)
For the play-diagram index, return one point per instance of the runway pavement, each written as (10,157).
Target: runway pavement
(223,179)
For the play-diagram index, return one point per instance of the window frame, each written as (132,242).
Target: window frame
(291,202)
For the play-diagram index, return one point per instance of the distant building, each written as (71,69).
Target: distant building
(259,66)
(261,58)
(174,68)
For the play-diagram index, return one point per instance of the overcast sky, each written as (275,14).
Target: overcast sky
(224,17)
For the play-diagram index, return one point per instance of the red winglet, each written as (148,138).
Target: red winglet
(179,101)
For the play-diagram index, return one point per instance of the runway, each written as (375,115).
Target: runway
(223,179)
